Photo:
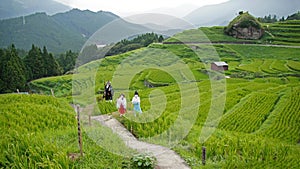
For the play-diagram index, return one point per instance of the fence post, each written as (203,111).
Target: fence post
(52,92)
(203,155)
(90,121)
(79,129)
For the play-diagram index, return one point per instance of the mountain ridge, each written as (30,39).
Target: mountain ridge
(17,8)
(53,31)
(211,15)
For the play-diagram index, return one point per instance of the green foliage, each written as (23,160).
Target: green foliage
(34,63)
(28,7)
(85,22)
(295,16)
(61,85)
(41,30)
(41,132)
(60,32)
(67,60)
(282,123)
(260,121)
(51,66)
(15,71)
(143,161)
(249,114)
(239,150)
(244,20)
(269,19)
(136,43)
(283,33)
(106,107)
(41,63)
(12,71)
(25,121)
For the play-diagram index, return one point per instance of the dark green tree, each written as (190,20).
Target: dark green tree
(136,43)
(295,16)
(51,66)
(67,61)
(13,73)
(160,38)
(2,61)
(34,63)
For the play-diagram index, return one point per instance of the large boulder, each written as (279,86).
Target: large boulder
(245,26)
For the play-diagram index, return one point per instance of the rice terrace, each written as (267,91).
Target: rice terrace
(244,116)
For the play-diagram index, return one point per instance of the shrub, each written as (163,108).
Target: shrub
(145,161)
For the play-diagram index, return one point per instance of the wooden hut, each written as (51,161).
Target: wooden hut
(219,66)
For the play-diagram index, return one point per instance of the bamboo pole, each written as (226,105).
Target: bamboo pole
(79,130)
(203,155)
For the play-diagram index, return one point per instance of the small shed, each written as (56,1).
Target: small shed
(219,66)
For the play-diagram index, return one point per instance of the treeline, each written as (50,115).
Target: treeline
(136,43)
(92,52)
(273,18)
(16,71)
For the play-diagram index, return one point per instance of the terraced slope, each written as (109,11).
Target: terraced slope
(41,132)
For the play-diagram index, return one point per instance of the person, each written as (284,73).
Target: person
(136,101)
(121,104)
(108,91)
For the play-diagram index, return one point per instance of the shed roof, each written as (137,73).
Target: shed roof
(220,63)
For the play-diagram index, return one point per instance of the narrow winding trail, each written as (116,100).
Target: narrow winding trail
(166,158)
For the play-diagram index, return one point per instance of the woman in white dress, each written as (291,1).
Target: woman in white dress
(136,101)
(121,104)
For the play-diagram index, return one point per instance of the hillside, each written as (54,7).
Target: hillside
(84,22)
(60,32)
(41,30)
(16,8)
(246,117)
(284,33)
(278,33)
(41,131)
(211,15)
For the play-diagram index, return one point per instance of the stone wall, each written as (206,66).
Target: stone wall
(246,33)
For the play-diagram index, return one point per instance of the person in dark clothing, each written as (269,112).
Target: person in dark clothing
(108,91)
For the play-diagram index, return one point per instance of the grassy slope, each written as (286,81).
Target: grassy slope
(40,131)
(265,78)
(279,33)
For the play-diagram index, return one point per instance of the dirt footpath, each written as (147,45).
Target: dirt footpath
(166,158)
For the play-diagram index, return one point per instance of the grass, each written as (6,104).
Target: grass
(258,125)
(41,131)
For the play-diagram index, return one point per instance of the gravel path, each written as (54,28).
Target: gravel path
(166,158)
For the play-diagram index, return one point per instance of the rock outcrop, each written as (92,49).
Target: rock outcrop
(245,26)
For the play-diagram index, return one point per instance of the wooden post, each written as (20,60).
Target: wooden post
(90,121)
(203,155)
(79,130)
(52,92)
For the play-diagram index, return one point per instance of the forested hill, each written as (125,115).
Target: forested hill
(16,8)
(60,32)
(85,22)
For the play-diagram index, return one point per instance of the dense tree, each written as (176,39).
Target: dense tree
(16,71)
(2,61)
(51,66)
(34,63)
(268,19)
(137,42)
(295,16)
(67,61)
(12,71)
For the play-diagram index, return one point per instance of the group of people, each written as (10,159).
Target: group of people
(121,101)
